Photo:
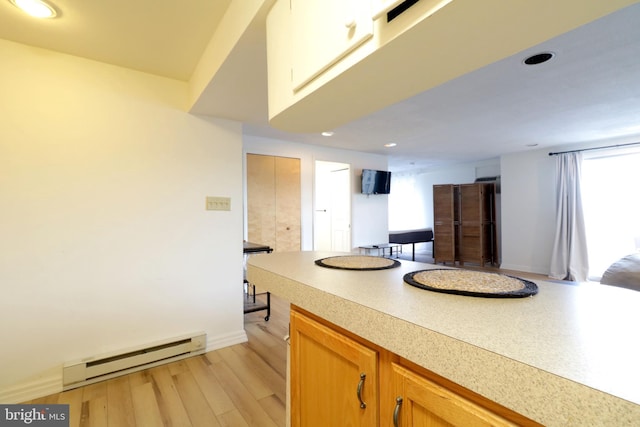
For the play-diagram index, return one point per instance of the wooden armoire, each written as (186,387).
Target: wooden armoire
(464,223)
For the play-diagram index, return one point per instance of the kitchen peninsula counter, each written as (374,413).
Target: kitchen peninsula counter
(566,356)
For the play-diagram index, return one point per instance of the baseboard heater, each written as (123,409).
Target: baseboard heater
(99,368)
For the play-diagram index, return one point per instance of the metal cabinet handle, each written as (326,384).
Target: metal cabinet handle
(359,392)
(396,411)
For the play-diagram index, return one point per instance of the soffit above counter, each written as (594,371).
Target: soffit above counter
(412,54)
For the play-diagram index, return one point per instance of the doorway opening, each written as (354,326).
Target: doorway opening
(332,207)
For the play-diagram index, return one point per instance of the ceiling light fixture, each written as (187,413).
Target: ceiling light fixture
(539,58)
(327,133)
(35,8)
(390,144)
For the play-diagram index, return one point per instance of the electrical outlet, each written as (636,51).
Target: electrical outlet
(218,203)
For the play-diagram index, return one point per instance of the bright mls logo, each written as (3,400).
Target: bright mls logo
(34,415)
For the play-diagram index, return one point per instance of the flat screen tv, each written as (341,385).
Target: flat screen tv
(376,182)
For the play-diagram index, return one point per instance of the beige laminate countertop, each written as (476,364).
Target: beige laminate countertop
(568,356)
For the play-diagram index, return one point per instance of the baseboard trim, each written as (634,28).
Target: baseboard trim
(32,389)
(51,383)
(523,268)
(226,340)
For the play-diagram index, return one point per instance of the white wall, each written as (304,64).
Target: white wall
(528,210)
(105,240)
(369,213)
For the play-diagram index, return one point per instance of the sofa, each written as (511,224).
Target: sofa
(624,273)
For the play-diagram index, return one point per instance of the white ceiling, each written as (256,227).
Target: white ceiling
(590,90)
(164,37)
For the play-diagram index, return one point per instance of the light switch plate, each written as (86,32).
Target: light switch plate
(218,203)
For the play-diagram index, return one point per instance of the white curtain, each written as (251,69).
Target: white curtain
(569,259)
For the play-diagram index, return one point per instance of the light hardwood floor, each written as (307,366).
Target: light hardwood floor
(241,385)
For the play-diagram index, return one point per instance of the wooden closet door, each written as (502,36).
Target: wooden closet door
(261,201)
(287,203)
(273,201)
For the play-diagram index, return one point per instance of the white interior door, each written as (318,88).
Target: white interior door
(332,219)
(322,206)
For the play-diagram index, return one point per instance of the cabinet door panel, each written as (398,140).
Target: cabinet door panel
(324,32)
(425,403)
(444,223)
(471,203)
(470,214)
(326,369)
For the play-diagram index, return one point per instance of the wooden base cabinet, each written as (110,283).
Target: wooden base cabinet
(334,379)
(340,379)
(420,402)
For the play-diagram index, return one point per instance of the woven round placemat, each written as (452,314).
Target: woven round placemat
(357,262)
(471,283)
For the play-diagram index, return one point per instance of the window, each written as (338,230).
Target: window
(611,202)
(407,206)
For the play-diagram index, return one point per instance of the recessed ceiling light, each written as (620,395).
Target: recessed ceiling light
(390,144)
(539,58)
(327,133)
(35,8)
